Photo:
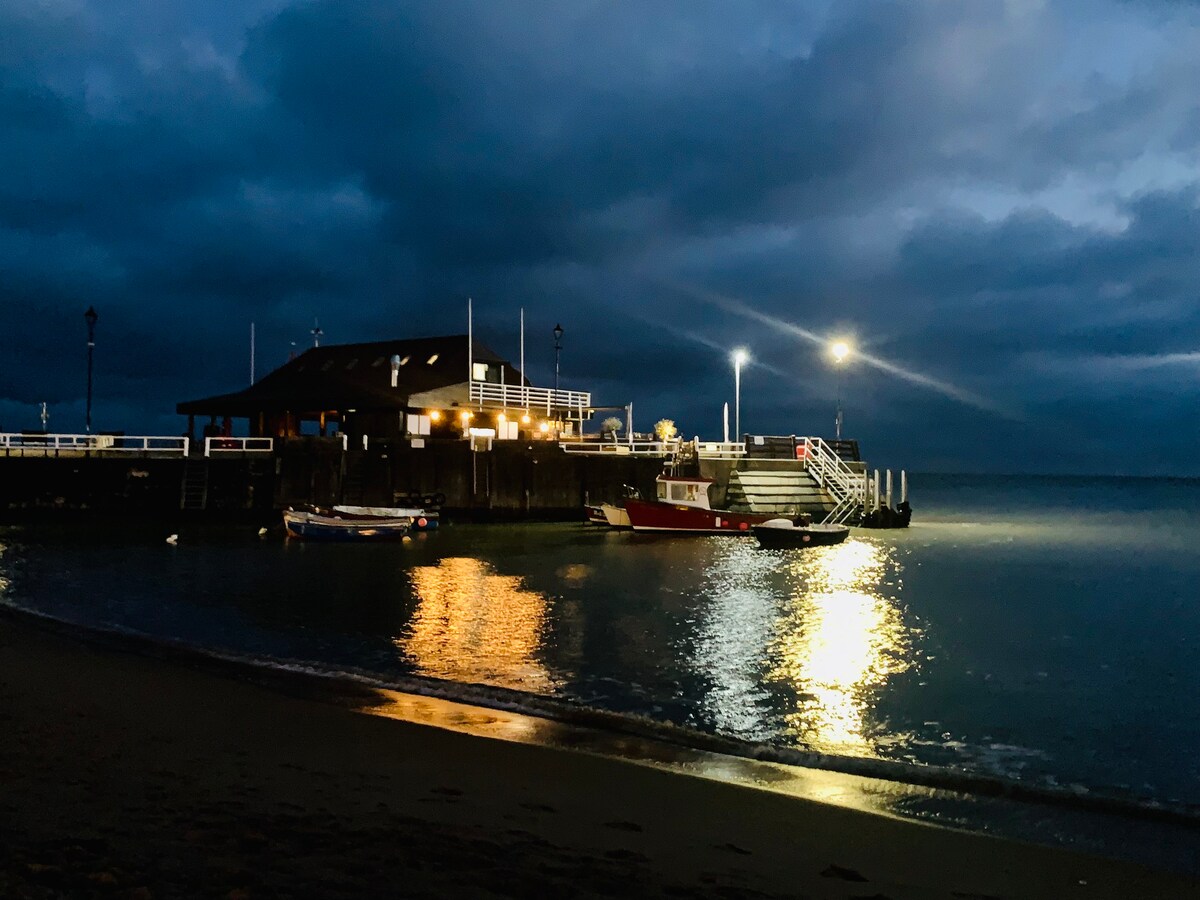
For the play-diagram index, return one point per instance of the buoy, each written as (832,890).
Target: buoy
(422,522)
(172,539)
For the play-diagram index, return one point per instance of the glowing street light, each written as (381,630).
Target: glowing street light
(840,351)
(740,358)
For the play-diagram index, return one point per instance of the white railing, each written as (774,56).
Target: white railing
(719,449)
(238,445)
(519,396)
(624,448)
(847,487)
(46,444)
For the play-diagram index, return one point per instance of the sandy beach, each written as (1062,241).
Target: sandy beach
(130,776)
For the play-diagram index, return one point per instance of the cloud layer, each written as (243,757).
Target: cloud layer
(999,201)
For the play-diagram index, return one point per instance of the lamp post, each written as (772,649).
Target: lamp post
(839,350)
(558,333)
(740,358)
(90,317)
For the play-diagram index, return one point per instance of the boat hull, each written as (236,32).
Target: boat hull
(594,515)
(421,520)
(776,537)
(645,515)
(313,527)
(615,516)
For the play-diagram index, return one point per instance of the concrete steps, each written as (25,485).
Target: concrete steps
(787,491)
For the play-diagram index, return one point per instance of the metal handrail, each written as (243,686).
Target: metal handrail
(98,443)
(719,449)
(626,448)
(238,445)
(832,473)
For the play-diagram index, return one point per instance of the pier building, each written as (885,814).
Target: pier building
(413,389)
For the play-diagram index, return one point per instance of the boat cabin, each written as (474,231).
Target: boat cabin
(684,491)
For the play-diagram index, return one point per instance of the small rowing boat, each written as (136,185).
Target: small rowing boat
(780,534)
(316,527)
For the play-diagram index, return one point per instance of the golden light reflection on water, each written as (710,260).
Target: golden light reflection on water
(474,625)
(839,640)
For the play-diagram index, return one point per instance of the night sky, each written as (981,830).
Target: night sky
(997,201)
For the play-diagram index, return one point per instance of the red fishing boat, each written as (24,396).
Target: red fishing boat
(683,506)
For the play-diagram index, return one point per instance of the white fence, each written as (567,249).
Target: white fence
(625,448)
(73,444)
(719,449)
(519,396)
(238,445)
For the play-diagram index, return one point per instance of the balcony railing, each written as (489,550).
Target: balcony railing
(575,404)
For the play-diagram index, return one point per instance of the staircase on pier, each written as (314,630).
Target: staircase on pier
(193,491)
(787,476)
(354,478)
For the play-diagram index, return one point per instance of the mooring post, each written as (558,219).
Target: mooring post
(903,486)
(875,492)
(889,488)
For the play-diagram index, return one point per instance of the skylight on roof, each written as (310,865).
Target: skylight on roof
(404,361)
(431,360)
(377,363)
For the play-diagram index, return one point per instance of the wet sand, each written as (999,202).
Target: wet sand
(129,776)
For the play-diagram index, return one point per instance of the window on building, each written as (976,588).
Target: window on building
(479,371)
(328,365)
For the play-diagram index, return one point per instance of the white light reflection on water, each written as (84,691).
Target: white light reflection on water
(737,626)
(473,625)
(839,637)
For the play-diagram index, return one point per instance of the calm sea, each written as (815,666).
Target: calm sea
(1045,630)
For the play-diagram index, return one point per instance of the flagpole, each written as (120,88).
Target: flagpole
(524,395)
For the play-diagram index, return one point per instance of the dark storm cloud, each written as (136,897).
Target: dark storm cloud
(977,192)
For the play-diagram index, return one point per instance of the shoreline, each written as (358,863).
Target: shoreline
(118,761)
(561,722)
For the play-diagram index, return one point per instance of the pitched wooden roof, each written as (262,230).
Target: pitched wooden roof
(354,376)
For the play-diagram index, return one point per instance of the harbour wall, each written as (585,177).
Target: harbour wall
(513,480)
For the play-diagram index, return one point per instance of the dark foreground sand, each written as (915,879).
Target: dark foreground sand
(127,776)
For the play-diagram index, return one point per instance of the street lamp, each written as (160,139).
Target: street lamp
(558,333)
(840,351)
(740,358)
(90,317)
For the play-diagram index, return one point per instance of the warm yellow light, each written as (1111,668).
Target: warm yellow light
(525,420)
(840,350)
(435,416)
(545,427)
(465,415)
(502,418)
